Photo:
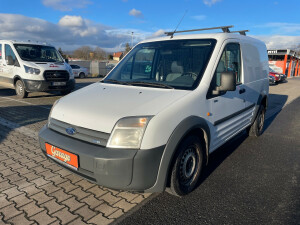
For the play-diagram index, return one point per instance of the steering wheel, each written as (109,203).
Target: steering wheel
(190,74)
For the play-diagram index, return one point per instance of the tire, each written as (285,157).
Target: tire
(81,75)
(20,89)
(258,126)
(187,166)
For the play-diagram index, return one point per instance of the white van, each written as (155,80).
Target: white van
(153,121)
(33,67)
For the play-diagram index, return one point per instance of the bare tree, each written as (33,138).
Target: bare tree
(99,53)
(83,52)
(127,48)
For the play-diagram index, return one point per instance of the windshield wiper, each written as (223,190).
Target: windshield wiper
(151,84)
(115,81)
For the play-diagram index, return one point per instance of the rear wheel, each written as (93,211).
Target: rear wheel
(81,75)
(258,126)
(20,89)
(187,166)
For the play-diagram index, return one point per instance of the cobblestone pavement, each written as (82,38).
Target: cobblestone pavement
(34,190)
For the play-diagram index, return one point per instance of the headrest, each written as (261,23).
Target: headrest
(175,68)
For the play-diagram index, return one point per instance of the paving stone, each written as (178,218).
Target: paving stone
(138,199)
(106,209)
(3,200)
(100,219)
(39,169)
(43,218)
(63,172)
(9,211)
(21,200)
(79,193)
(124,205)
(12,192)
(20,219)
(50,188)
(23,170)
(52,206)
(78,221)
(14,177)
(7,172)
(40,181)
(97,191)
(109,198)
(67,186)
(65,216)
(48,173)
(92,201)
(41,198)
(30,176)
(21,183)
(73,204)
(5,185)
(85,212)
(85,184)
(31,209)
(31,190)
(60,195)
(56,179)
(128,196)
(74,178)
(116,214)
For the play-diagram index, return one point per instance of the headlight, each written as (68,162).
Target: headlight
(49,117)
(128,132)
(31,70)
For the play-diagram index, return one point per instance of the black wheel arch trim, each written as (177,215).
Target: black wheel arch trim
(183,128)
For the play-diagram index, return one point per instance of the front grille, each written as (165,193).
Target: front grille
(84,134)
(56,75)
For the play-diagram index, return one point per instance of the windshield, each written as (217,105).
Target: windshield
(178,64)
(38,53)
(271,70)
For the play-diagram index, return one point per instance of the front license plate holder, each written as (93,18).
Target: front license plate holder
(62,156)
(59,83)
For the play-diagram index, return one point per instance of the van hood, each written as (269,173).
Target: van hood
(99,106)
(47,65)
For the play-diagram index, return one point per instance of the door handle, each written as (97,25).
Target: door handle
(243,90)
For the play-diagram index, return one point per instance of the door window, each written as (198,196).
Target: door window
(10,56)
(230,62)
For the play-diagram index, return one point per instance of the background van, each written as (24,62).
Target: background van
(33,67)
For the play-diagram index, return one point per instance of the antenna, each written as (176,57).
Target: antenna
(179,23)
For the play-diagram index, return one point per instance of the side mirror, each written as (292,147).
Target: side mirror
(228,83)
(67,60)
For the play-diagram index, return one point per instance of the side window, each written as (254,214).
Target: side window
(10,56)
(230,61)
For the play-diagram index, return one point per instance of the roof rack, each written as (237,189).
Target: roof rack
(225,29)
(242,32)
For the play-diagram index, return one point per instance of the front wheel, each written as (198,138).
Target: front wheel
(20,89)
(258,126)
(81,75)
(187,166)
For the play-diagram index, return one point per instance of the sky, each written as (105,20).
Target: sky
(109,24)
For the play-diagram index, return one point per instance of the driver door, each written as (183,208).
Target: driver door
(227,107)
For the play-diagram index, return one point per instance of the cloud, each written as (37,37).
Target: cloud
(210,2)
(136,13)
(69,33)
(282,28)
(279,41)
(66,5)
(158,33)
(199,17)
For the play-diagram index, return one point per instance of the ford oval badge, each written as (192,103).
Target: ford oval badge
(71,130)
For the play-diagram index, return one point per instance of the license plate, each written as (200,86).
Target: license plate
(62,156)
(58,83)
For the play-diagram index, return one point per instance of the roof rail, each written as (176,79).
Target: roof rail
(242,32)
(225,29)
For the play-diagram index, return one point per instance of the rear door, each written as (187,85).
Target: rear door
(227,108)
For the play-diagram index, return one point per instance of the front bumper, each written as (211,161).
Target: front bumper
(123,169)
(42,85)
